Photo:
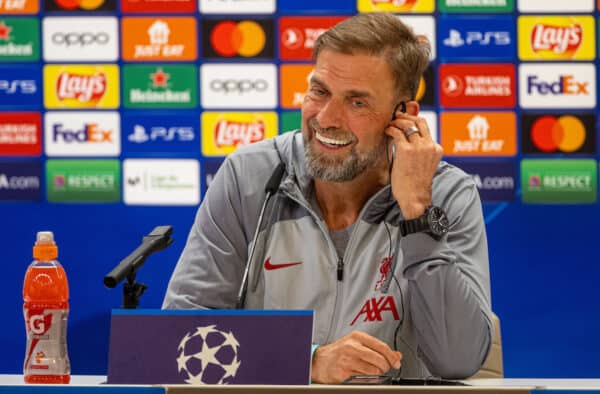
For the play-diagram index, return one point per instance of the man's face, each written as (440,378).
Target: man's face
(349,103)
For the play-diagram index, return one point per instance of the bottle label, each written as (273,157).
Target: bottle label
(46,342)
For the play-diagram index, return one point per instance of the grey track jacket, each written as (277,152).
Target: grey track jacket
(428,299)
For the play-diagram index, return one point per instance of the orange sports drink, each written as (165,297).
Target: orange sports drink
(46,308)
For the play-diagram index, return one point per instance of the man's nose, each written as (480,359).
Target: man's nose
(330,115)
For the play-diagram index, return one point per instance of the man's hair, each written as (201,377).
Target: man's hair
(381,34)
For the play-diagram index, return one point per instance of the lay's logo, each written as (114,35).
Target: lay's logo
(70,86)
(84,88)
(231,133)
(556,38)
(231,130)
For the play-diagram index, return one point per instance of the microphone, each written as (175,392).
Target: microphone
(270,188)
(157,240)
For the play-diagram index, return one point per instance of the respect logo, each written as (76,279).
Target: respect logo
(559,181)
(396,5)
(159,39)
(70,86)
(233,129)
(567,133)
(237,38)
(556,38)
(83,180)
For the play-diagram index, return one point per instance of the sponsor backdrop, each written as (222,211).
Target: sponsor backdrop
(115,116)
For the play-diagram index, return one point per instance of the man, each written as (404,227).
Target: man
(386,244)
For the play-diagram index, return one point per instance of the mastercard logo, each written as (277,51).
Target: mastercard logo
(565,133)
(244,38)
(79,4)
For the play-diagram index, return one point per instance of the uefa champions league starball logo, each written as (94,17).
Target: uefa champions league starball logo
(208,355)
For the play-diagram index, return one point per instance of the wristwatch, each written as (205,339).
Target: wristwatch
(433,222)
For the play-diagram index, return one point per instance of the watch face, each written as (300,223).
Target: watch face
(438,221)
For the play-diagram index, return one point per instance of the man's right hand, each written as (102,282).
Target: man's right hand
(357,353)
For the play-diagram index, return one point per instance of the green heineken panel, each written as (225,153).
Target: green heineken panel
(160,86)
(290,120)
(561,181)
(83,180)
(19,39)
(477,6)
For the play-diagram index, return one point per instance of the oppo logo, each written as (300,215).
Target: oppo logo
(80,39)
(240,86)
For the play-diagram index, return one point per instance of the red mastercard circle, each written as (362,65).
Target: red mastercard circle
(565,133)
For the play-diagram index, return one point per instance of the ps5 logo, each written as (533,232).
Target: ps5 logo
(179,133)
(24,86)
(456,40)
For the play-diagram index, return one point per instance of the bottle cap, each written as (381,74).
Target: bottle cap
(45,249)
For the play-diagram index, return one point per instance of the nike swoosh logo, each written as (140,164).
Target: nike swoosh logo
(269,266)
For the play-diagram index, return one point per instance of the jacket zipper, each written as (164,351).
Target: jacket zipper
(340,269)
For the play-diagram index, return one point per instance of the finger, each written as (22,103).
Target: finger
(382,348)
(361,367)
(374,358)
(397,135)
(424,129)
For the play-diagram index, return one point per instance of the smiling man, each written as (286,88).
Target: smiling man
(368,228)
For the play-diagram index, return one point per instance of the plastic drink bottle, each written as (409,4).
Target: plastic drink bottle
(46,307)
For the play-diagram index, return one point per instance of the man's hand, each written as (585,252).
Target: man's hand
(357,353)
(416,160)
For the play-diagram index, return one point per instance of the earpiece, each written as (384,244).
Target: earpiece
(402,106)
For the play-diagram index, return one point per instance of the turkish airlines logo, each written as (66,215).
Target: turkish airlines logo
(374,310)
(477,85)
(20,133)
(238,38)
(298,35)
(159,39)
(566,133)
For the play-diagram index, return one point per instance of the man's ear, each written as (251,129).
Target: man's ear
(412,108)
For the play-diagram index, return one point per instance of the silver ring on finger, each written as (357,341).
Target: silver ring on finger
(410,131)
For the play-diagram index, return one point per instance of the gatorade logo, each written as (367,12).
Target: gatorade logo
(243,38)
(567,133)
(38,325)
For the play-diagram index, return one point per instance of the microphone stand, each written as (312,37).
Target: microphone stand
(157,240)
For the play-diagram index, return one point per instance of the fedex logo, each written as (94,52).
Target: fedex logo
(565,84)
(90,132)
(479,37)
(558,85)
(67,135)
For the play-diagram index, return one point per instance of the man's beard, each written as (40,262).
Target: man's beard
(333,168)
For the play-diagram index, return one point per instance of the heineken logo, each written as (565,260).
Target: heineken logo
(166,86)
(19,39)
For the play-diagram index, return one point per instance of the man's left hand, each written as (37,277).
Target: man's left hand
(415,162)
